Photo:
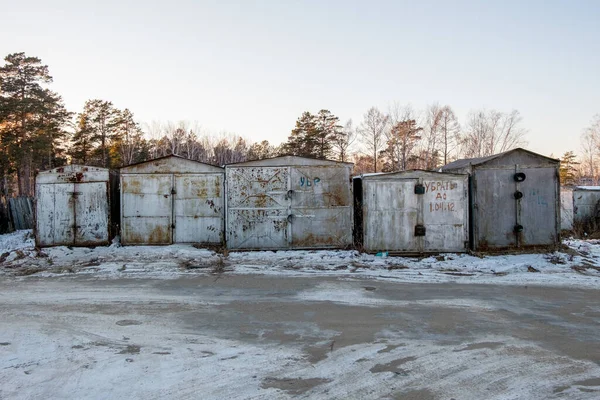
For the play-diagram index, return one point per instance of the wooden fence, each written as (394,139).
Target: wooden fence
(16,213)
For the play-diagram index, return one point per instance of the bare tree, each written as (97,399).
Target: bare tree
(449,133)
(492,132)
(342,143)
(372,131)
(431,137)
(590,146)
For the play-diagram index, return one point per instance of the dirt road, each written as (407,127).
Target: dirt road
(237,336)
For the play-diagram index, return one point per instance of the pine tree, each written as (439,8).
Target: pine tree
(568,168)
(327,130)
(401,142)
(302,142)
(32,119)
(102,122)
(82,146)
(313,135)
(127,141)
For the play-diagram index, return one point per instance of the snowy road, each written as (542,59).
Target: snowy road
(252,336)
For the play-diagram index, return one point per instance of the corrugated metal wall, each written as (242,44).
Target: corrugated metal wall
(414,212)
(172,200)
(289,203)
(72,206)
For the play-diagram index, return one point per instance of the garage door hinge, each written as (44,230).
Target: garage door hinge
(173,191)
(172,226)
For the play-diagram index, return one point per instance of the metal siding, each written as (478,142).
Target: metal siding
(171,165)
(390,213)
(198,208)
(258,206)
(54,226)
(538,207)
(494,213)
(445,214)
(146,209)
(392,210)
(71,174)
(321,206)
(566,208)
(584,204)
(91,213)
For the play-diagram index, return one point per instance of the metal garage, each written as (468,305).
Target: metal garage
(515,199)
(412,212)
(289,202)
(72,206)
(172,200)
(585,206)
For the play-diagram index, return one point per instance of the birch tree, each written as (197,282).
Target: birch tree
(372,131)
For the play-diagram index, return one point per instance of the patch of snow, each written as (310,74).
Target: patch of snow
(577,268)
(17,240)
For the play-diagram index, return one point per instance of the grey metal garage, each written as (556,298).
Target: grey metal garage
(172,200)
(515,199)
(72,206)
(289,202)
(411,212)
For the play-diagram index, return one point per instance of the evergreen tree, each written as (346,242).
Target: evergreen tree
(568,168)
(302,142)
(32,119)
(327,130)
(102,120)
(128,144)
(260,151)
(82,143)
(314,135)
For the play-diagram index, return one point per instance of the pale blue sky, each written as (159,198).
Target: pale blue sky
(252,67)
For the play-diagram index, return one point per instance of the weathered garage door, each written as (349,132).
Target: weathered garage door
(198,208)
(288,207)
(91,213)
(146,209)
(72,214)
(538,207)
(321,207)
(445,215)
(172,208)
(258,207)
(391,213)
(494,208)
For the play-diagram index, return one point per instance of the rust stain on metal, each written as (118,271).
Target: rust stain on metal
(159,235)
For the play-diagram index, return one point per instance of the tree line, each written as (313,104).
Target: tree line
(37,132)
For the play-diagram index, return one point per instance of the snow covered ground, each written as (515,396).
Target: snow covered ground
(578,265)
(126,322)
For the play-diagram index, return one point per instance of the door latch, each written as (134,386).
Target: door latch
(420,230)
(419,189)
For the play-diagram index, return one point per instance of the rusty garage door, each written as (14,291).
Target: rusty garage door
(198,208)
(171,208)
(146,209)
(287,207)
(72,214)
(258,207)
(321,207)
